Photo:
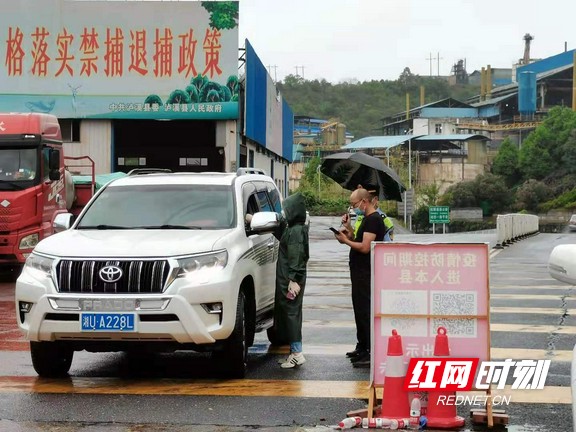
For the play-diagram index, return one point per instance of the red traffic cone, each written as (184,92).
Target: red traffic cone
(441,415)
(395,402)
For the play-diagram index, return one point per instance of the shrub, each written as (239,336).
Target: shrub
(531,194)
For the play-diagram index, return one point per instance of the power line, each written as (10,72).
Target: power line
(270,73)
(437,58)
(298,68)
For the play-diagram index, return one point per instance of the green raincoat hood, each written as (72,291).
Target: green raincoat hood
(295,209)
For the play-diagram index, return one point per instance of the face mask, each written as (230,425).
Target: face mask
(358,212)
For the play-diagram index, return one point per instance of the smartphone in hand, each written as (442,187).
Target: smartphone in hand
(334,230)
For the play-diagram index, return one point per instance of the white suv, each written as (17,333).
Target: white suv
(156,263)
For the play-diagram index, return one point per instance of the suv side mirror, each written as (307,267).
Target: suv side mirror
(562,263)
(63,221)
(265,222)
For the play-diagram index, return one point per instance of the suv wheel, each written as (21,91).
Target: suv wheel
(235,354)
(50,359)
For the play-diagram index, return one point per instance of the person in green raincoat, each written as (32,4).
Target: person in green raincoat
(291,278)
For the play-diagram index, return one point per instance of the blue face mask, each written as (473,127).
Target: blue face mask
(358,212)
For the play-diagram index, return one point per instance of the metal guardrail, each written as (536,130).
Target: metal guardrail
(513,227)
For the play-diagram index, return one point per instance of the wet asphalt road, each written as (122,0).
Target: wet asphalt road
(160,405)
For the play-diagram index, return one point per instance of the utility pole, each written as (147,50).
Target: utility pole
(270,73)
(297,68)
(430,58)
(439,58)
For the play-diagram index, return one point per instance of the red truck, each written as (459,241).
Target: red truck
(32,183)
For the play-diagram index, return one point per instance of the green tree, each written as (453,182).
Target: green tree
(534,160)
(485,188)
(506,162)
(461,194)
(309,180)
(223,14)
(549,148)
(408,80)
(429,194)
(178,97)
(569,153)
(531,194)
(492,189)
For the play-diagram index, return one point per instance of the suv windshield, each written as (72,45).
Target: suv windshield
(161,207)
(18,164)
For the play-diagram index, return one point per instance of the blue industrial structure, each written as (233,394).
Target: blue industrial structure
(548,64)
(527,93)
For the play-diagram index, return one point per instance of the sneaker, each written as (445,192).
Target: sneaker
(293,360)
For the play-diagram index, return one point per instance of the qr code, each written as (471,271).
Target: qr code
(454,303)
(455,327)
(408,303)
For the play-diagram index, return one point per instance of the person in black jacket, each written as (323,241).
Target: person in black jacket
(371,229)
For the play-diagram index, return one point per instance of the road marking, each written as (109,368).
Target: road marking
(527,310)
(244,387)
(533,296)
(495,327)
(531,287)
(493,309)
(532,328)
(496,353)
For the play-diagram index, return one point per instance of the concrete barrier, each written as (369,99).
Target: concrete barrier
(514,227)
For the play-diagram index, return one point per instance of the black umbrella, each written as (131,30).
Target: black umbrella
(352,169)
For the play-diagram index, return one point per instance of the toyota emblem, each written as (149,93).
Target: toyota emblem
(110,273)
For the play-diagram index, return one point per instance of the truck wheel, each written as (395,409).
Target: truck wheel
(234,357)
(50,359)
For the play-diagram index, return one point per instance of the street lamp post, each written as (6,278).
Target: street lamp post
(410,176)
(318,171)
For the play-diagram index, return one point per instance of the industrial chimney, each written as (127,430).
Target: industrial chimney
(527,39)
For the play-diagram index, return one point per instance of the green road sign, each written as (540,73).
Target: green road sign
(439,215)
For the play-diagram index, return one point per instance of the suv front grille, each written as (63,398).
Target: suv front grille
(137,277)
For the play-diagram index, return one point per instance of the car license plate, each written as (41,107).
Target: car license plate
(123,322)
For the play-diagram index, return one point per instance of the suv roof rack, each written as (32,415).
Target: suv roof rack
(141,171)
(244,171)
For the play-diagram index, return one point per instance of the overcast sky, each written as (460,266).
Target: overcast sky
(375,39)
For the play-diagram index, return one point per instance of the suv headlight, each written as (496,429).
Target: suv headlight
(202,263)
(39,265)
(29,242)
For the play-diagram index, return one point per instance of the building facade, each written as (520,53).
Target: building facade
(160,92)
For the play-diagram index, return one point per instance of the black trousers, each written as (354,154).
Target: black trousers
(361,295)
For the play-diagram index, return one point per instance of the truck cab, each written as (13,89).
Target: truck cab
(32,188)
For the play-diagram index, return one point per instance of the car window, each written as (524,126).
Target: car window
(274,198)
(264,202)
(157,206)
